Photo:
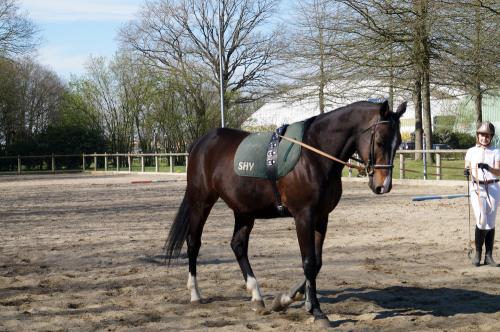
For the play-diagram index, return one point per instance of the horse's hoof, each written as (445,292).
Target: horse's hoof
(196,303)
(322,322)
(259,307)
(277,306)
(298,297)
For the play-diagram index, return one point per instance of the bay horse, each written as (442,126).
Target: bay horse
(310,191)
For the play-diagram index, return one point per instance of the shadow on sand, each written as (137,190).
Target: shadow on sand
(181,261)
(401,301)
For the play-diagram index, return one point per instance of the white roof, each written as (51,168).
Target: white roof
(283,111)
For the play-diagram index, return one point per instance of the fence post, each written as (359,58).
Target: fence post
(53,164)
(401,166)
(117,162)
(424,156)
(171,164)
(18,164)
(129,162)
(142,163)
(187,159)
(83,162)
(157,165)
(95,162)
(438,166)
(105,161)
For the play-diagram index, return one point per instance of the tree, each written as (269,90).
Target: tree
(311,62)
(408,26)
(470,55)
(29,102)
(18,34)
(182,38)
(102,89)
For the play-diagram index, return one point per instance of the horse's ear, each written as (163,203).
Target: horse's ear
(384,109)
(401,109)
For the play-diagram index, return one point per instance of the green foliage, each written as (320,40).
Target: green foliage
(70,139)
(454,139)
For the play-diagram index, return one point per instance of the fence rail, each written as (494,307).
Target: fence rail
(424,167)
(118,162)
(177,162)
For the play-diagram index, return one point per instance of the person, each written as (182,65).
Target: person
(482,163)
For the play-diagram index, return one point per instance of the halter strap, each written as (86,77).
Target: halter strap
(371,167)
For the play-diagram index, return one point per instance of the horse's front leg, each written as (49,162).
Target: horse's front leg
(306,229)
(296,293)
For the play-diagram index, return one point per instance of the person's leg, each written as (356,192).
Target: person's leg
(479,238)
(489,241)
(490,234)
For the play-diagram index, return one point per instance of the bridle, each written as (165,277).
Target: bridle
(371,166)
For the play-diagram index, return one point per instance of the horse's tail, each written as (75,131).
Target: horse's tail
(178,232)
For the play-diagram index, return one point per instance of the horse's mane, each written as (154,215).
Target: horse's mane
(369,105)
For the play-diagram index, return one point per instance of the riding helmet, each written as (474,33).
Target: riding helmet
(486,127)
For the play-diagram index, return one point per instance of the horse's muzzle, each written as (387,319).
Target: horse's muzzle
(381,186)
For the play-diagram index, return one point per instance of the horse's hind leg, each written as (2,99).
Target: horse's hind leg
(239,243)
(198,214)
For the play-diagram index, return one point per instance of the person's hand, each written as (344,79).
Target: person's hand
(483,166)
(466,172)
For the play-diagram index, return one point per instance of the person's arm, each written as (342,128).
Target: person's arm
(493,170)
(496,170)
(467,168)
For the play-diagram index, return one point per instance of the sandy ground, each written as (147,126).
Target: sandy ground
(84,253)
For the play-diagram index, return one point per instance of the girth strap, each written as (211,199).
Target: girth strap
(272,166)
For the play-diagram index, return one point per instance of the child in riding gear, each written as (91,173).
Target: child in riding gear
(483,162)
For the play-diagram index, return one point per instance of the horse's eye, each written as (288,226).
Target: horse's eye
(380,140)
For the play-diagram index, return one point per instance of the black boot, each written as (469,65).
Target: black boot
(490,239)
(479,240)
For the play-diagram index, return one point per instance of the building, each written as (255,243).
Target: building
(282,111)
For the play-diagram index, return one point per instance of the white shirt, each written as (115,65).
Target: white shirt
(479,154)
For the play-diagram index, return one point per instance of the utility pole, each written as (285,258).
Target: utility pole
(221,85)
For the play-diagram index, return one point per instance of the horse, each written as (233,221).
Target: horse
(310,191)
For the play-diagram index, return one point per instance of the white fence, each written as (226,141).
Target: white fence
(118,162)
(177,162)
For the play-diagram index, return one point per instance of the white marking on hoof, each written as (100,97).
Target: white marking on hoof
(192,286)
(281,302)
(253,287)
(285,300)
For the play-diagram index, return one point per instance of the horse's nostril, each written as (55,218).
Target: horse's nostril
(379,190)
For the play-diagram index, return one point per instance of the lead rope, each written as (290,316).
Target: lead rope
(324,154)
(469,252)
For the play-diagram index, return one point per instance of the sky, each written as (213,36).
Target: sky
(74,30)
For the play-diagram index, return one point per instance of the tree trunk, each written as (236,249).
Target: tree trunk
(478,100)
(426,103)
(417,101)
(322,78)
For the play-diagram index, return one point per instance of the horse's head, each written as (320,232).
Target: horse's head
(377,145)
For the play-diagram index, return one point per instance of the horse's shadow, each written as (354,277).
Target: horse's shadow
(182,261)
(402,301)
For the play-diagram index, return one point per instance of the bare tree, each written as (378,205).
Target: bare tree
(408,26)
(183,38)
(18,34)
(470,60)
(102,89)
(310,60)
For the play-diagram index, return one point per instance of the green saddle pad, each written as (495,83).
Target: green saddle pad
(250,157)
